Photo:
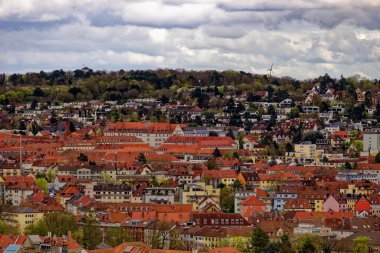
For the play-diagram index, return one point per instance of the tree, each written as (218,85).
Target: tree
(259,240)
(213,133)
(211,164)
(328,244)
(22,126)
(72,127)
(237,185)
(38,92)
(377,158)
(307,244)
(92,235)
(227,200)
(8,225)
(82,157)
(141,158)
(284,245)
(216,153)
(361,245)
(59,223)
(230,133)
(34,127)
(289,147)
(43,184)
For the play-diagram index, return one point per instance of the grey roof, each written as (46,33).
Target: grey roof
(35,239)
(22,209)
(103,245)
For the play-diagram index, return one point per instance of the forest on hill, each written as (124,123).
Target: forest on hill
(207,87)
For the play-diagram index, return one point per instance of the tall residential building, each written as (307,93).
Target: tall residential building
(371,141)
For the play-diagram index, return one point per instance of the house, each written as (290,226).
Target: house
(112,192)
(158,234)
(251,206)
(281,197)
(217,177)
(78,202)
(360,95)
(16,193)
(218,219)
(298,205)
(159,195)
(196,192)
(24,216)
(154,134)
(62,180)
(362,207)
(331,204)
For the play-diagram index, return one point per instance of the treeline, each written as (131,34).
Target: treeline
(185,86)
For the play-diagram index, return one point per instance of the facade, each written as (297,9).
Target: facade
(371,141)
(153,134)
(24,216)
(158,195)
(194,193)
(112,193)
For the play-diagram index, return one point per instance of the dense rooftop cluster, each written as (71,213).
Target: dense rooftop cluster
(153,161)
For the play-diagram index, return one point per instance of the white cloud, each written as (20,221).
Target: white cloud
(302,38)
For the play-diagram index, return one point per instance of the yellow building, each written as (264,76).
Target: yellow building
(24,216)
(305,153)
(10,172)
(318,205)
(195,192)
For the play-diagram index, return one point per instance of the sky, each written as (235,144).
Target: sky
(302,38)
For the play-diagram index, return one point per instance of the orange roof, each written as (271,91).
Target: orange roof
(135,247)
(213,174)
(317,215)
(252,201)
(142,127)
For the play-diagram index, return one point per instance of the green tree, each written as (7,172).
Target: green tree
(59,223)
(43,184)
(216,153)
(38,92)
(307,244)
(237,185)
(377,158)
(134,117)
(259,240)
(82,157)
(361,245)
(92,234)
(227,200)
(284,245)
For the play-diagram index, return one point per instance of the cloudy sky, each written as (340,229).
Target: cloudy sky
(303,38)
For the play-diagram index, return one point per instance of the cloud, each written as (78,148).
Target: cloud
(302,38)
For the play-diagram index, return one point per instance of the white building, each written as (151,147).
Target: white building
(153,134)
(371,141)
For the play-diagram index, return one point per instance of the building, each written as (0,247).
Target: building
(371,141)
(153,134)
(24,216)
(194,193)
(158,195)
(112,193)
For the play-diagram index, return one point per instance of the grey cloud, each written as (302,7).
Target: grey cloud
(302,38)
